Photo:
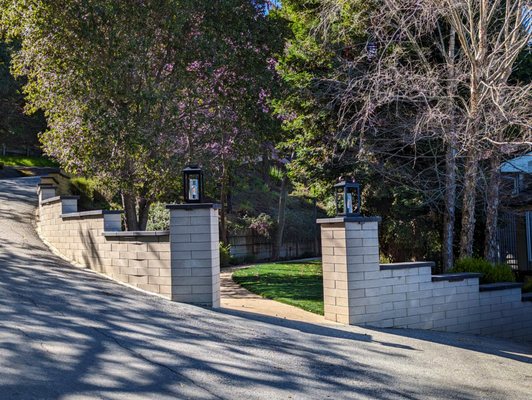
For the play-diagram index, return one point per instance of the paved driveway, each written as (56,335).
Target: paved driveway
(67,333)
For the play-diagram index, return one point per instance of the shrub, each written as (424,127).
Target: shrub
(225,255)
(384,259)
(491,273)
(1,165)
(83,187)
(88,190)
(527,287)
(502,273)
(262,224)
(158,218)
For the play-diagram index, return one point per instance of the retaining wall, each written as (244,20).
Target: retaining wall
(94,239)
(359,290)
(181,264)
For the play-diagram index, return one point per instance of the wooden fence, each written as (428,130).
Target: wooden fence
(248,246)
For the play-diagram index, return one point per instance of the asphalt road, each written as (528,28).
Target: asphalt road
(67,333)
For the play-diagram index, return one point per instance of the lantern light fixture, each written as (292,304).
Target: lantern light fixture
(193,184)
(347,197)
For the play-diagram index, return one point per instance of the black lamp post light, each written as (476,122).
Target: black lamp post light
(193,185)
(347,198)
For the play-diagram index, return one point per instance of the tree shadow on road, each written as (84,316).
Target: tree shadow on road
(66,331)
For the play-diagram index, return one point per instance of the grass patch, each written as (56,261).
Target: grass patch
(21,161)
(90,196)
(298,284)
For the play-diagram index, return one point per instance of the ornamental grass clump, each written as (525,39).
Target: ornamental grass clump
(491,273)
(225,255)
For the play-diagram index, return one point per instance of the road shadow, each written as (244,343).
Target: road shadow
(514,350)
(67,332)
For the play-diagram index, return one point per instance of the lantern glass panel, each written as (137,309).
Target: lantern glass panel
(340,201)
(193,187)
(192,184)
(351,200)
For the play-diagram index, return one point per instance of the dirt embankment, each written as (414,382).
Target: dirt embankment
(17,172)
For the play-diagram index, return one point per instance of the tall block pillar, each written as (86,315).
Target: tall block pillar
(350,251)
(194,252)
(46,191)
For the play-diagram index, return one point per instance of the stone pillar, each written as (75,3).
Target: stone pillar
(69,204)
(195,254)
(350,251)
(46,191)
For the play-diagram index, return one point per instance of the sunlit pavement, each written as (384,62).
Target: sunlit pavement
(67,333)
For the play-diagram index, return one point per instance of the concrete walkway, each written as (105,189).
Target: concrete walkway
(235,297)
(67,333)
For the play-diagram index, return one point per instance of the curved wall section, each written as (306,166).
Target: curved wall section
(93,239)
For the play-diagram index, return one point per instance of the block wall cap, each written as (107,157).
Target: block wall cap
(488,287)
(46,185)
(59,198)
(336,220)
(193,206)
(406,265)
(63,174)
(455,277)
(527,297)
(49,177)
(134,234)
(90,213)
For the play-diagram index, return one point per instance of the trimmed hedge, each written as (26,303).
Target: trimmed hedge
(491,273)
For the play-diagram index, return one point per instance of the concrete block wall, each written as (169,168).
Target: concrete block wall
(93,239)
(350,255)
(195,253)
(182,264)
(358,290)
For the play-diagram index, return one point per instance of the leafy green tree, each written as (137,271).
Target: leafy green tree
(324,151)
(134,90)
(16,128)
(402,92)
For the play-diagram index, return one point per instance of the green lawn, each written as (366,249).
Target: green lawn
(297,284)
(21,161)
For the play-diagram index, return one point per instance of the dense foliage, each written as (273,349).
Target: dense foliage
(16,128)
(390,92)
(400,94)
(491,273)
(132,90)
(323,152)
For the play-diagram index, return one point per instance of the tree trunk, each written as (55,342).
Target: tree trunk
(491,244)
(281,218)
(130,211)
(450,164)
(265,167)
(450,208)
(144,210)
(223,210)
(468,208)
